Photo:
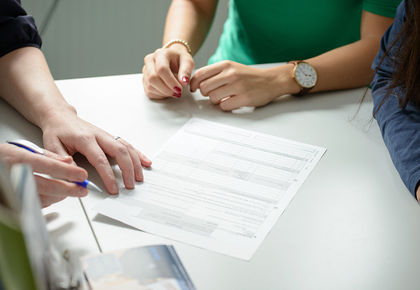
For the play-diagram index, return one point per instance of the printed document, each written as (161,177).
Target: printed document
(217,187)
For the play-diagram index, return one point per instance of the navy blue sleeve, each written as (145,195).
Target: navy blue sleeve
(17,28)
(400,127)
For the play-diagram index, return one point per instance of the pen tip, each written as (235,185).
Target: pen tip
(93,186)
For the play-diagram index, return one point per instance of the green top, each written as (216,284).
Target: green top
(283,30)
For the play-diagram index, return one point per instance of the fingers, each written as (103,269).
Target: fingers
(53,144)
(120,153)
(135,159)
(219,94)
(55,149)
(129,160)
(52,191)
(146,162)
(162,68)
(154,85)
(63,158)
(55,168)
(233,103)
(124,156)
(208,72)
(94,144)
(186,66)
(213,83)
(95,155)
(59,188)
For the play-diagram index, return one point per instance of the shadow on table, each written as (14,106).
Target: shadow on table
(195,104)
(109,221)
(62,229)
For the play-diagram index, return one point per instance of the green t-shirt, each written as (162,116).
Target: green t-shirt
(267,31)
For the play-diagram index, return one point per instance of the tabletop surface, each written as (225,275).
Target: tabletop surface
(352,224)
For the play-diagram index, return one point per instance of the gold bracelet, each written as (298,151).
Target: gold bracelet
(181,41)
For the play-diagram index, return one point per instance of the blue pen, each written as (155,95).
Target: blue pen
(25,144)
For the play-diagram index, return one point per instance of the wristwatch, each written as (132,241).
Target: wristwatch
(305,76)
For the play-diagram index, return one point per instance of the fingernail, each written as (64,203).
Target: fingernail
(177,89)
(115,189)
(176,95)
(66,158)
(186,80)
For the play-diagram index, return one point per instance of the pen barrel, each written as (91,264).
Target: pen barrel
(83,183)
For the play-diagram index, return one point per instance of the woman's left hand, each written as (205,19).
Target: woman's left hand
(232,85)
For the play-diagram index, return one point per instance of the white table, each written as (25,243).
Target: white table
(352,225)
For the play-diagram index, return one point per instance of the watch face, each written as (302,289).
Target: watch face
(305,75)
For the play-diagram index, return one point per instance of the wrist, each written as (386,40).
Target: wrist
(284,82)
(178,42)
(178,47)
(53,114)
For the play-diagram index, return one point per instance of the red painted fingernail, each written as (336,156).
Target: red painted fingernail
(177,95)
(186,80)
(177,89)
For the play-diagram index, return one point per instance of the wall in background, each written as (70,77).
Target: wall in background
(107,37)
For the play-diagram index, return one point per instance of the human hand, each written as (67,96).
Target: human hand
(166,71)
(232,85)
(65,133)
(62,167)
(418,193)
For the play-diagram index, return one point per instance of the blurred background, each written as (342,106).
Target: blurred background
(84,38)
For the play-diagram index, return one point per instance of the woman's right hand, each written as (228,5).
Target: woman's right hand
(49,191)
(166,71)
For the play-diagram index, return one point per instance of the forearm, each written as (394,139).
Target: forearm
(26,84)
(189,20)
(399,129)
(345,67)
(349,66)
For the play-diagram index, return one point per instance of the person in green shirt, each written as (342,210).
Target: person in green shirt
(325,45)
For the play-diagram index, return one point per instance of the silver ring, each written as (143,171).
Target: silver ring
(116,138)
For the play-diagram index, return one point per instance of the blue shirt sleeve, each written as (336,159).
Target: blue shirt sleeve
(17,28)
(400,127)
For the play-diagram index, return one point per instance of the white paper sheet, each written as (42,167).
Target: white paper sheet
(217,187)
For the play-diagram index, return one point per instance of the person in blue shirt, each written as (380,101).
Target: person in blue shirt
(26,84)
(396,92)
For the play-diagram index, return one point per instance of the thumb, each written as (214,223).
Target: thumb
(186,66)
(63,158)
